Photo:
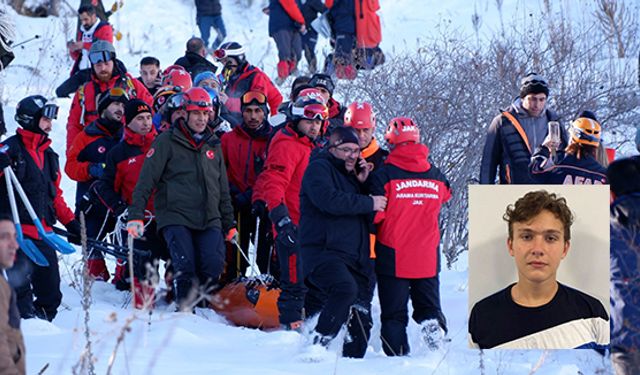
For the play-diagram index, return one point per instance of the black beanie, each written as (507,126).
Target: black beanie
(624,176)
(533,83)
(106,98)
(135,107)
(322,80)
(341,135)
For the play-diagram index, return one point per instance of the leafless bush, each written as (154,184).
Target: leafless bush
(453,87)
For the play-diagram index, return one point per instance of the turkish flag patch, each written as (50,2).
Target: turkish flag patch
(210,154)
(151,152)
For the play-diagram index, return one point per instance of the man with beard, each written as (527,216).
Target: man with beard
(245,150)
(334,241)
(91,30)
(107,72)
(86,160)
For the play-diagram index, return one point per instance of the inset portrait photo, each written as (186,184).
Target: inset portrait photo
(538,266)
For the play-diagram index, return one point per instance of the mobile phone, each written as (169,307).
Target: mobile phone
(358,168)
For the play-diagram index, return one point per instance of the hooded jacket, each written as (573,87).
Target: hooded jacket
(189,179)
(250,78)
(37,167)
(408,233)
(245,152)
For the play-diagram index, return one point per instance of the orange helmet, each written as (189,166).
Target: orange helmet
(359,115)
(586,131)
(401,130)
(197,99)
(178,78)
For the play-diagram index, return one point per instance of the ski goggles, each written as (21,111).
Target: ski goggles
(118,93)
(222,53)
(101,56)
(175,101)
(50,111)
(311,112)
(253,96)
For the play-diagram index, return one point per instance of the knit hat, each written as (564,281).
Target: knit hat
(322,80)
(135,107)
(341,135)
(115,94)
(533,83)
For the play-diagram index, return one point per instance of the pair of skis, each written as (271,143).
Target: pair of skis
(27,246)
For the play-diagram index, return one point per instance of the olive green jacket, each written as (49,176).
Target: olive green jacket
(189,180)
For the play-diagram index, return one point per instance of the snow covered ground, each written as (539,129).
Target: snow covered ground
(171,343)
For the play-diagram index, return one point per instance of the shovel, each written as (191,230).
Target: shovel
(28,247)
(50,238)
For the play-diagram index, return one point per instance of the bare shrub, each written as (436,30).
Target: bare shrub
(453,87)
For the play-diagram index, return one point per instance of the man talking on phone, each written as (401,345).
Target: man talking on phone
(334,241)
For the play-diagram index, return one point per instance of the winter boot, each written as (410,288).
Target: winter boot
(283,70)
(144,294)
(121,277)
(432,334)
(350,72)
(98,269)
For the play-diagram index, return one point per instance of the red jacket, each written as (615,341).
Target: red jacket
(281,178)
(39,175)
(250,78)
(408,234)
(85,97)
(244,155)
(124,163)
(102,31)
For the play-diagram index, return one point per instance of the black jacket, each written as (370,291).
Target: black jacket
(334,214)
(195,64)
(310,10)
(208,8)
(342,16)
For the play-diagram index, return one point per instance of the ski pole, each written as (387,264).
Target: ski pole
(26,41)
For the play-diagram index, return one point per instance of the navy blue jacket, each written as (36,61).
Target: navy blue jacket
(568,170)
(625,273)
(208,8)
(279,19)
(342,16)
(334,215)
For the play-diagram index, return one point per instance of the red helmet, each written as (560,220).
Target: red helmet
(177,78)
(359,115)
(309,105)
(171,68)
(197,99)
(401,130)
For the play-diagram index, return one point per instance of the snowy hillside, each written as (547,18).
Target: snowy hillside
(165,342)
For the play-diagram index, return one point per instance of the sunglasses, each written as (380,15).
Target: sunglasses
(311,112)
(254,96)
(98,57)
(50,111)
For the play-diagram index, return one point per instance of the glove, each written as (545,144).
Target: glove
(259,208)
(232,235)
(96,170)
(135,228)
(287,232)
(73,227)
(5,161)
